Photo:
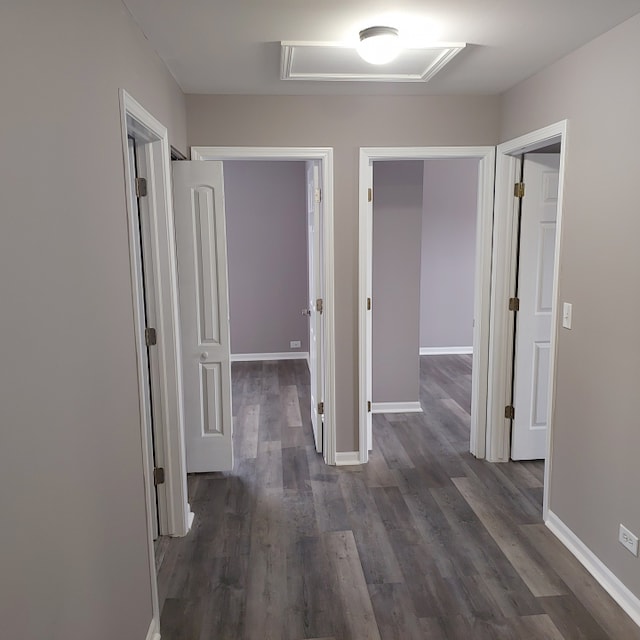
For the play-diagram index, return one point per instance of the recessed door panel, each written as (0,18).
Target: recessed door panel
(211,396)
(204,226)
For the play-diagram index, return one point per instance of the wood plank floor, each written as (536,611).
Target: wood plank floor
(424,542)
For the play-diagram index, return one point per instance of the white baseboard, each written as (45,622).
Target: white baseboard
(607,579)
(396,407)
(344,458)
(261,357)
(153,633)
(446,351)
(190,517)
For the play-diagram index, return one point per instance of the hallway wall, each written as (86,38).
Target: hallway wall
(74,556)
(595,472)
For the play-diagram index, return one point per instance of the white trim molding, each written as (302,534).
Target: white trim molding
(607,579)
(347,458)
(446,351)
(152,143)
(263,357)
(324,155)
(503,282)
(396,407)
(482,282)
(153,633)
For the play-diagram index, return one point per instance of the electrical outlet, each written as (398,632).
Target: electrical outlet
(294,344)
(628,540)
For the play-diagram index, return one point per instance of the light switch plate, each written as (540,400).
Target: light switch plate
(567,312)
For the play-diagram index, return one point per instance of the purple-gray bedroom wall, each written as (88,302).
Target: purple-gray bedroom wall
(449,213)
(265,206)
(397,218)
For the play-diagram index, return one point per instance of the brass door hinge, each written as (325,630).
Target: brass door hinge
(368,304)
(514,304)
(158,476)
(368,406)
(150,336)
(320,408)
(518,189)
(141,187)
(369,194)
(319,305)
(509,412)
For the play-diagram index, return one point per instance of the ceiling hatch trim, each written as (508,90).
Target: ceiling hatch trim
(337,61)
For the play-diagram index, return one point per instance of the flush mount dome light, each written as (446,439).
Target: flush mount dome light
(379,45)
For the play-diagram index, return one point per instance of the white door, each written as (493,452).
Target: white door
(204,314)
(534,318)
(144,290)
(316,342)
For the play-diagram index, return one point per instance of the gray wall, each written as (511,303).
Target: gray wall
(596,438)
(345,123)
(265,204)
(74,542)
(397,221)
(450,207)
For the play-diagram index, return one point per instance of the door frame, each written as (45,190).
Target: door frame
(503,285)
(153,145)
(482,281)
(324,155)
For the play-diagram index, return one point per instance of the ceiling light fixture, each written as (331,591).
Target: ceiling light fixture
(379,45)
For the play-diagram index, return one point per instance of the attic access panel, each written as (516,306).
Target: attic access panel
(331,61)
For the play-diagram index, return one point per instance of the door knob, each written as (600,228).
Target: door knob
(204,355)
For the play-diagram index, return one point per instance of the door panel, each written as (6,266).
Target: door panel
(316,288)
(534,318)
(145,291)
(204,314)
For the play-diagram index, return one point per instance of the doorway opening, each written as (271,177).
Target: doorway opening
(275,282)
(483,159)
(424,240)
(524,311)
(311,316)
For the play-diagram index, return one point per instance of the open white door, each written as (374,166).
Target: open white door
(316,296)
(204,314)
(534,317)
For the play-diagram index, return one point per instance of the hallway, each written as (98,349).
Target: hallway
(425,541)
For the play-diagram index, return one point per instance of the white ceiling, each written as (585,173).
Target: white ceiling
(233,46)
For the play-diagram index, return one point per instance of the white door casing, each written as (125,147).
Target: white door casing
(152,147)
(535,292)
(503,286)
(204,314)
(324,157)
(316,290)
(482,282)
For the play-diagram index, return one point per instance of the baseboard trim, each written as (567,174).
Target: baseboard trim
(446,351)
(607,579)
(154,632)
(396,407)
(347,458)
(261,357)
(190,517)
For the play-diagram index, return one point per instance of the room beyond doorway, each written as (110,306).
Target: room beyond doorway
(323,159)
(480,320)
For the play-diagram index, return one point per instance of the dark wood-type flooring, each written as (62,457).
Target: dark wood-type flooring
(423,542)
